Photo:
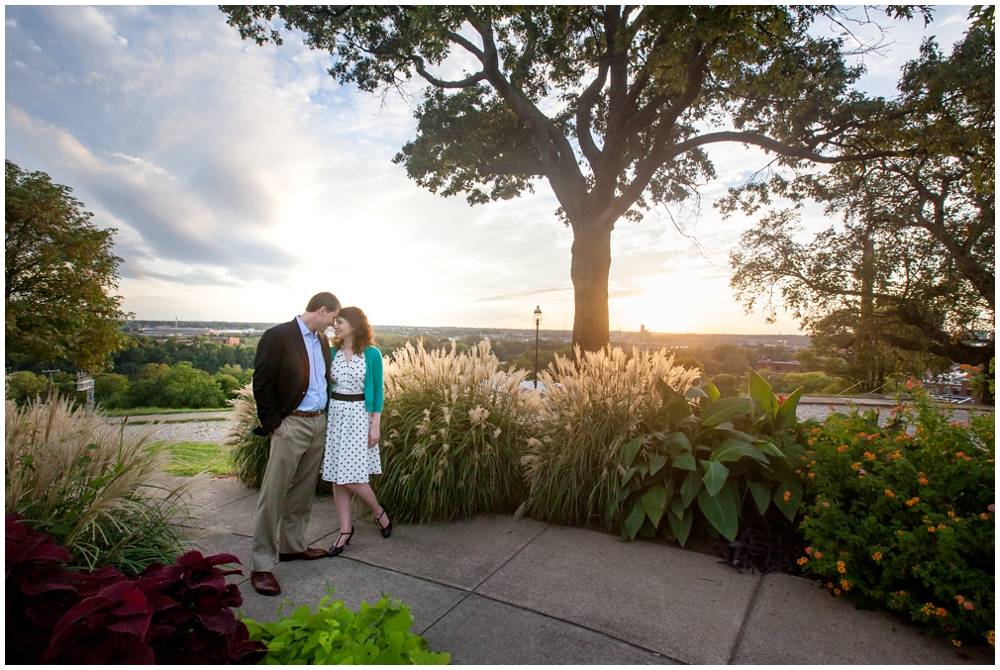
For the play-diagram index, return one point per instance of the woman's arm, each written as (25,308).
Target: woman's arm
(374,430)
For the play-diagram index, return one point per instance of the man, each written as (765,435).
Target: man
(291,387)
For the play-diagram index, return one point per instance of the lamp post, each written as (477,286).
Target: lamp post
(538,322)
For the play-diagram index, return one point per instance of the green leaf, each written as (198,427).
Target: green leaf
(761,392)
(677,442)
(675,406)
(725,409)
(631,449)
(736,434)
(715,476)
(690,487)
(769,448)
(656,462)
(761,496)
(713,393)
(684,461)
(634,520)
(791,506)
(695,392)
(720,512)
(785,416)
(654,501)
(680,524)
(627,475)
(733,450)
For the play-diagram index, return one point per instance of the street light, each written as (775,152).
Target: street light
(538,322)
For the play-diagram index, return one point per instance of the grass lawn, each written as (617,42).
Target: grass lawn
(189,458)
(142,411)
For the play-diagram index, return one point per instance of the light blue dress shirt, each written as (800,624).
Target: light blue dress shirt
(315,398)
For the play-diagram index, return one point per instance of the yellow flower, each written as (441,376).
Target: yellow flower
(956,643)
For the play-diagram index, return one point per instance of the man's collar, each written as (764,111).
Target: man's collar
(303,327)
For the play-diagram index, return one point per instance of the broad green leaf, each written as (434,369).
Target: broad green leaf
(769,447)
(675,406)
(643,469)
(780,470)
(732,489)
(627,475)
(695,392)
(720,512)
(715,476)
(733,450)
(656,462)
(634,520)
(654,501)
(690,487)
(680,524)
(713,393)
(761,392)
(678,442)
(788,507)
(761,496)
(785,416)
(725,409)
(742,466)
(631,449)
(684,461)
(736,434)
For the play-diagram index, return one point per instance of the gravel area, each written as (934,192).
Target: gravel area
(211,432)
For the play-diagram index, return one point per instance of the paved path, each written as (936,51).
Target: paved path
(501,591)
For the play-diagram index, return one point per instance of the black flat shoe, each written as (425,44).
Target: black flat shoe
(386,530)
(336,550)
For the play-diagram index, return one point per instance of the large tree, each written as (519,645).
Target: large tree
(59,276)
(912,265)
(613,106)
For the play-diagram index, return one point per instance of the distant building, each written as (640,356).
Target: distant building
(777,367)
(954,384)
(225,339)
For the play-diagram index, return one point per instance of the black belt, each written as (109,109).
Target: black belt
(316,413)
(348,397)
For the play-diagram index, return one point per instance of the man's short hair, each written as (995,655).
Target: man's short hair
(324,299)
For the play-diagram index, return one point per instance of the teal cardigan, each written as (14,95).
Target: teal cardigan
(373,378)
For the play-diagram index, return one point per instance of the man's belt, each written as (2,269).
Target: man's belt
(348,397)
(316,413)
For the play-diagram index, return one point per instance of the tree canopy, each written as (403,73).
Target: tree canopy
(59,276)
(613,106)
(912,265)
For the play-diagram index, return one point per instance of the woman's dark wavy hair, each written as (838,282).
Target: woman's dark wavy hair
(362,338)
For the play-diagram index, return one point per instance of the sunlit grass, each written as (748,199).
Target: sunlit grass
(189,458)
(143,411)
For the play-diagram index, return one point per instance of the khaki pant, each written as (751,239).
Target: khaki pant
(288,490)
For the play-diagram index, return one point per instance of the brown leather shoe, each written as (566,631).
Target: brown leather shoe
(310,554)
(265,583)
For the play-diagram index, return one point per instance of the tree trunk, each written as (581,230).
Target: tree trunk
(589,269)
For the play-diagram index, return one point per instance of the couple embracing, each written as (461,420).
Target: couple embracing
(321,407)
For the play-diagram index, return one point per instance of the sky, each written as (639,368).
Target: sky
(243,179)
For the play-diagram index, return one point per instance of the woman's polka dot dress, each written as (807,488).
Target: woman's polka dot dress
(348,460)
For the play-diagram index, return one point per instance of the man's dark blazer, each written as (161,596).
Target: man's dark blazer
(281,373)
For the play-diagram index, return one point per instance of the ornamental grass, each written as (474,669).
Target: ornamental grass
(99,493)
(453,431)
(247,452)
(593,406)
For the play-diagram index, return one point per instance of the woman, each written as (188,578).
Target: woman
(352,428)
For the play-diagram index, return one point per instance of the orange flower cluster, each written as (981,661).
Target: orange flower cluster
(923,481)
(841,567)
(877,556)
(984,516)
(890,494)
(989,638)
(912,501)
(931,529)
(855,466)
(844,584)
(957,643)
(802,561)
(842,447)
(869,455)
(787,496)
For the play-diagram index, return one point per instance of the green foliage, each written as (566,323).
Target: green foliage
(59,274)
(902,517)
(592,407)
(188,459)
(179,385)
(25,386)
(76,476)
(378,634)
(111,390)
(732,456)
(203,354)
(812,383)
(453,427)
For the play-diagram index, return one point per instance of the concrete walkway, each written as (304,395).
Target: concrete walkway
(501,591)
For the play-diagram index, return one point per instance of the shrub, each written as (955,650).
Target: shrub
(593,406)
(178,614)
(379,634)
(811,382)
(247,452)
(902,517)
(733,456)
(25,386)
(75,475)
(453,427)
(111,390)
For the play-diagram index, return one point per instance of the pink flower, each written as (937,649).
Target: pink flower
(861,472)
(991,508)
(809,550)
